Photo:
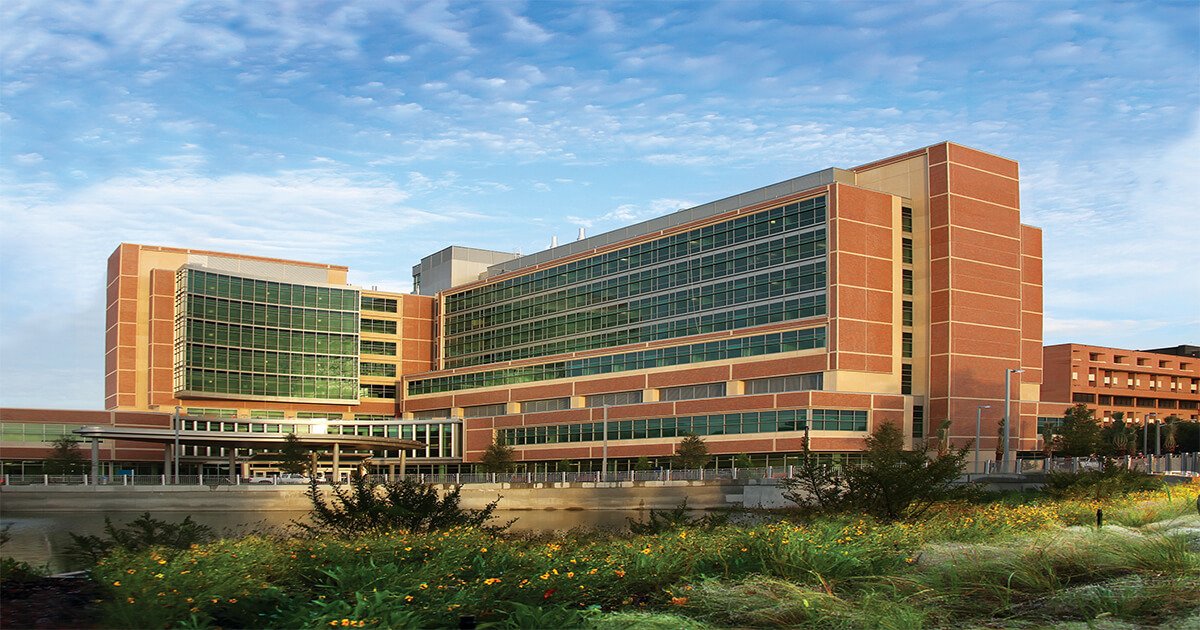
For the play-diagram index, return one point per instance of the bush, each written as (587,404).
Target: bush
(405,504)
(890,483)
(141,533)
(1110,481)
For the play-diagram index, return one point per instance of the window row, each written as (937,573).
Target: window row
(267,292)
(691,392)
(694,299)
(377,369)
(766,313)
(762,255)
(548,404)
(793,383)
(241,384)
(290,317)
(783,420)
(379,326)
(221,334)
(382,348)
(614,399)
(34,432)
(740,229)
(379,304)
(370,390)
(772,343)
(267,362)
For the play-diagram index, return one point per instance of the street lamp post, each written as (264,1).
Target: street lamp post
(1157,436)
(604,455)
(1146,435)
(1008,372)
(978,420)
(175,455)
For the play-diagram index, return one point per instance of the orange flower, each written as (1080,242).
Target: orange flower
(679,601)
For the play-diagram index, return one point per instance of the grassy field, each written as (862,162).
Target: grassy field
(1019,561)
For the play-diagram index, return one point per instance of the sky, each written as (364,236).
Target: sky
(370,134)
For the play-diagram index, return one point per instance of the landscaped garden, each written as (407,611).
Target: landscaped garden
(867,547)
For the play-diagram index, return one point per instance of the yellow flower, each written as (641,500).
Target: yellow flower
(491,581)
(483,550)
(131,571)
(424,586)
(162,561)
(158,576)
(117,583)
(570,574)
(130,600)
(545,576)
(408,598)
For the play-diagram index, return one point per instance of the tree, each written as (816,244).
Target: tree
(565,465)
(943,434)
(890,483)
(498,458)
(65,457)
(1049,441)
(1171,434)
(642,463)
(293,457)
(742,460)
(1080,432)
(1119,435)
(692,452)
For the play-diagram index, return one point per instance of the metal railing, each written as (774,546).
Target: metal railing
(623,476)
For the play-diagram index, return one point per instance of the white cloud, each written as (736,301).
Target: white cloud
(27,159)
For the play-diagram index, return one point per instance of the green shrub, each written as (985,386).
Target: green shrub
(404,504)
(678,518)
(1110,481)
(141,533)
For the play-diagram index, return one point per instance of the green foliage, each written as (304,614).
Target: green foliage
(742,460)
(853,572)
(565,465)
(403,504)
(1119,437)
(141,533)
(293,457)
(13,570)
(1079,432)
(642,463)
(65,457)
(890,483)
(692,452)
(678,518)
(498,458)
(1111,481)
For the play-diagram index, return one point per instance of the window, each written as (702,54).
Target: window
(906,378)
(484,411)
(691,392)
(907,281)
(906,219)
(907,313)
(548,404)
(379,305)
(384,348)
(378,369)
(918,425)
(377,391)
(431,414)
(208,412)
(614,399)
(906,345)
(776,384)
(1051,423)
(787,341)
(838,420)
(379,326)
(906,248)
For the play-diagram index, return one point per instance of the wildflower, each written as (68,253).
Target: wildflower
(545,576)
(491,581)
(483,550)
(233,600)
(619,573)
(184,572)
(131,571)
(679,601)
(158,576)
(130,600)
(408,598)
(162,561)
(117,583)
(648,552)
(424,586)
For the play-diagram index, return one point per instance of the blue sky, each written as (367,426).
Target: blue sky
(372,133)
